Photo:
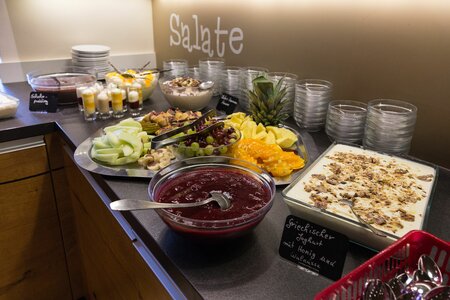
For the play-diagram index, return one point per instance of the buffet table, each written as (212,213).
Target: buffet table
(246,268)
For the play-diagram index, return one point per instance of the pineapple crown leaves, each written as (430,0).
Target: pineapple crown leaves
(267,100)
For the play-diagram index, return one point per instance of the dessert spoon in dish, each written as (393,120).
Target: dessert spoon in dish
(373,229)
(133,204)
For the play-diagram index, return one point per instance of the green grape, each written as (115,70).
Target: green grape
(200,152)
(209,150)
(181,148)
(223,149)
(209,139)
(195,146)
(231,141)
(189,152)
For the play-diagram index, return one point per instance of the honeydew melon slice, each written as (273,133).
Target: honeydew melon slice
(109,151)
(131,123)
(127,150)
(100,144)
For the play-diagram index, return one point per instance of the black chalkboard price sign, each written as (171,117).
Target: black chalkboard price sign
(314,247)
(43,102)
(227,103)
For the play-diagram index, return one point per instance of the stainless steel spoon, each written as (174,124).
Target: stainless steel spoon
(438,293)
(427,265)
(396,285)
(205,85)
(373,229)
(132,204)
(375,289)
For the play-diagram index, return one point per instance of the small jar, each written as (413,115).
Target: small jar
(138,87)
(124,96)
(117,103)
(133,102)
(88,97)
(79,90)
(103,106)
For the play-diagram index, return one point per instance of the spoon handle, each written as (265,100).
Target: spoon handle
(373,229)
(131,204)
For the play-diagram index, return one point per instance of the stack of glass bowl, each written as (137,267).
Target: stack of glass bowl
(194,72)
(247,76)
(289,81)
(231,79)
(211,69)
(346,120)
(390,126)
(312,97)
(179,67)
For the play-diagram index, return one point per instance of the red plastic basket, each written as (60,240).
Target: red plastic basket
(403,253)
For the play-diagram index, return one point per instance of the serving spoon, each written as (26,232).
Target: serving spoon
(128,75)
(373,229)
(133,204)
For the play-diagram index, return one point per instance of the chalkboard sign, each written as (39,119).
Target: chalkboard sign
(227,103)
(44,102)
(314,247)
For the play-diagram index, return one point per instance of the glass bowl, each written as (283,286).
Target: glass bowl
(61,82)
(206,146)
(250,189)
(185,97)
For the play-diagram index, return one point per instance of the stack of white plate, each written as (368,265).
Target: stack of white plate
(91,58)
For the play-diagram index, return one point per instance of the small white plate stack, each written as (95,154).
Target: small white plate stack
(91,58)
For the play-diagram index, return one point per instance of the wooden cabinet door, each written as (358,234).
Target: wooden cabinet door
(112,266)
(24,163)
(32,264)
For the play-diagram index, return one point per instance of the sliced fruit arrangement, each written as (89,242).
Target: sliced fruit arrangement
(121,144)
(283,137)
(270,157)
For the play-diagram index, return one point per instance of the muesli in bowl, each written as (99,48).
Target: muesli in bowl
(186,93)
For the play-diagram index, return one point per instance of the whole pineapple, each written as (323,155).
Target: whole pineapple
(267,101)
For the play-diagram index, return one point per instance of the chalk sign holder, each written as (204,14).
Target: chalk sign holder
(313,247)
(227,103)
(43,102)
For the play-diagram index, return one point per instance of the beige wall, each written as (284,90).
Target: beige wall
(47,29)
(396,49)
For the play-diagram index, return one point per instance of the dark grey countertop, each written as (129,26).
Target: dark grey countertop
(246,268)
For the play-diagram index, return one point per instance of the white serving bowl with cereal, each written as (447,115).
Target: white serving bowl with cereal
(390,193)
(186,93)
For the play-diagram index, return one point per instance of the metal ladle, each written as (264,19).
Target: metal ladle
(132,204)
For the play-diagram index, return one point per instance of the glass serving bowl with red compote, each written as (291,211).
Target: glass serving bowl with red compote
(250,189)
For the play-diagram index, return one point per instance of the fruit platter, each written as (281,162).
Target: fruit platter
(142,146)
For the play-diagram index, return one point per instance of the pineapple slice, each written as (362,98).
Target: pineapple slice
(270,138)
(260,132)
(284,137)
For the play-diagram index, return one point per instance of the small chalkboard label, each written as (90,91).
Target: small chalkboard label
(314,247)
(44,102)
(227,103)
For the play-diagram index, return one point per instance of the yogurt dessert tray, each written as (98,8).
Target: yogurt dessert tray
(391,193)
